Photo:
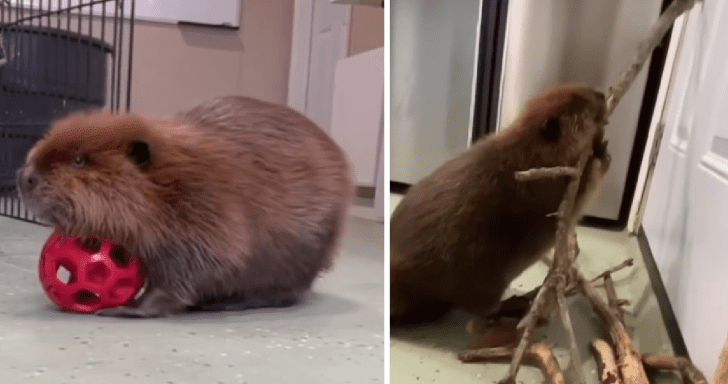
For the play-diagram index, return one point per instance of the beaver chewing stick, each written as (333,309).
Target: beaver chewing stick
(462,234)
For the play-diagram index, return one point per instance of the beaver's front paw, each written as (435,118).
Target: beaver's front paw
(128,312)
(154,302)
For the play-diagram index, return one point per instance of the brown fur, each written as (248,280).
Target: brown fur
(236,200)
(462,234)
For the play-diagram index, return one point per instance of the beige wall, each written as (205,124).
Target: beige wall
(176,67)
(367,29)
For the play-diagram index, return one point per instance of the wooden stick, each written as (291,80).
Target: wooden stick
(486,333)
(663,24)
(677,363)
(566,321)
(628,357)
(539,353)
(627,263)
(543,302)
(527,324)
(573,288)
(622,302)
(480,354)
(608,372)
(513,304)
(545,356)
(565,226)
(612,299)
(541,173)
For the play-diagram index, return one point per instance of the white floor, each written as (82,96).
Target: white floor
(429,354)
(336,336)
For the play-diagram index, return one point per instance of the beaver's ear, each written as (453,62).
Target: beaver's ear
(140,154)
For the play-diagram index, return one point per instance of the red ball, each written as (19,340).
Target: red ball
(88,277)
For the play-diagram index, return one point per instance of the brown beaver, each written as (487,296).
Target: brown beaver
(236,203)
(463,233)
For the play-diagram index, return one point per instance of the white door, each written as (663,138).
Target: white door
(686,216)
(320,40)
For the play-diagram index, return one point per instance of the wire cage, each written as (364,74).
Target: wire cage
(57,57)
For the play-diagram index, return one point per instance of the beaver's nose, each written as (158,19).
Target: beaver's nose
(27,179)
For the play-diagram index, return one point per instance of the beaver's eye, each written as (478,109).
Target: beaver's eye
(551,130)
(79,160)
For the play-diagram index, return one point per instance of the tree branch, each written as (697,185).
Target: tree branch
(538,353)
(541,173)
(681,364)
(612,299)
(627,263)
(517,305)
(666,20)
(566,321)
(608,372)
(628,357)
(560,270)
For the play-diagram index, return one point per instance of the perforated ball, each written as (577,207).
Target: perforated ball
(88,276)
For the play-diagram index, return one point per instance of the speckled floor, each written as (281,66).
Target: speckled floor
(336,336)
(429,354)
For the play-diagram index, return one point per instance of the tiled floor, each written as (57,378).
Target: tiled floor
(429,354)
(334,337)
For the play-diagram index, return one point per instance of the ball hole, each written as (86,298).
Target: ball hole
(86,297)
(120,256)
(91,245)
(64,275)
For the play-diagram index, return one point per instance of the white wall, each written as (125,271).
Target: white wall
(589,42)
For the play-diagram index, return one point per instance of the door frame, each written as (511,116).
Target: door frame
(656,130)
(298,75)
(303,11)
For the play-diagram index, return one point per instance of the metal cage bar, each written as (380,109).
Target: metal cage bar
(57,57)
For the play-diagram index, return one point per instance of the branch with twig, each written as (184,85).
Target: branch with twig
(608,370)
(538,353)
(688,371)
(518,305)
(663,24)
(553,290)
(627,263)
(627,355)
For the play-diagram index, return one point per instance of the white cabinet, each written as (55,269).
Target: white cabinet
(357,121)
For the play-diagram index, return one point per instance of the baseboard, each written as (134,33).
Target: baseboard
(366,212)
(668,315)
(398,187)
